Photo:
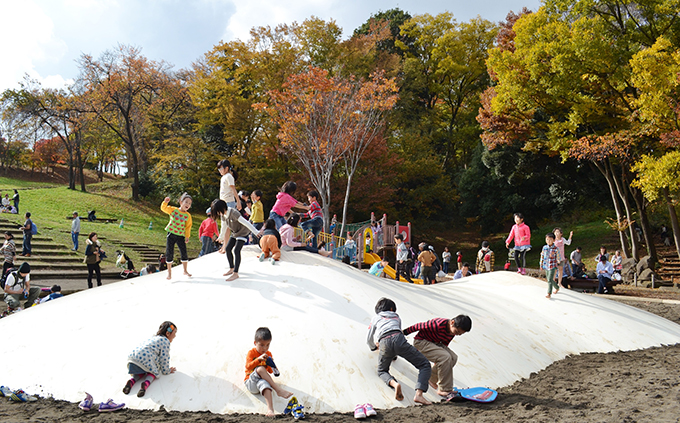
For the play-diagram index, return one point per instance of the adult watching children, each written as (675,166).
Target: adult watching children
(18,288)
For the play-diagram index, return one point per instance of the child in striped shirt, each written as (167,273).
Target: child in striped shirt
(550,259)
(314,225)
(432,340)
(179,231)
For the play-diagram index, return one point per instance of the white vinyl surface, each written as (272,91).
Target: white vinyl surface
(318,311)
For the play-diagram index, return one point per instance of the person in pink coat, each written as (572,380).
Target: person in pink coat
(520,234)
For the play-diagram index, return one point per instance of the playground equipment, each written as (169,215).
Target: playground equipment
(364,239)
(370,258)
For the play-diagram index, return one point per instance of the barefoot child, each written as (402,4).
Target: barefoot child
(179,231)
(432,340)
(550,259)
(239,228)
(386,328)
(259,364)
(151,359)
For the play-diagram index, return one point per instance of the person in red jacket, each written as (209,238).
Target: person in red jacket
(208,234)
(433,340)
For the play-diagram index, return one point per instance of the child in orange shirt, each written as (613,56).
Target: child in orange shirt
(259,363)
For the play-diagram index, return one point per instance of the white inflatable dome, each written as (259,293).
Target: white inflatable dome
(318,311)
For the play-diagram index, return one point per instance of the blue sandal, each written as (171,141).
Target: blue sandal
(298,414)
(291,405)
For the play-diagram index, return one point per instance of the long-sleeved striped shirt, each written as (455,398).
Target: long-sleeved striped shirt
(435,330)
(314,211)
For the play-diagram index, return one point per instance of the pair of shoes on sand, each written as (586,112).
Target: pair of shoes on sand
(361,411)
(294,408)
(17,396)
(88,402)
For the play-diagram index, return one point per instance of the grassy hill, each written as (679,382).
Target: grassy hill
(51,205)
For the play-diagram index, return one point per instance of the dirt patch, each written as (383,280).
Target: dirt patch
(634,386)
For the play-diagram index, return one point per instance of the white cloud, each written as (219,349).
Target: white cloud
(251,14)
(28,39)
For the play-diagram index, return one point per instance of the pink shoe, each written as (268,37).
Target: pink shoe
(368,408)
(519,270)
(359,412)
(524,271)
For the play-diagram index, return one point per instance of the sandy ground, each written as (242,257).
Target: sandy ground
(636,386)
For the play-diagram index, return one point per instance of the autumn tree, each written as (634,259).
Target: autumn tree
(322,120)
(566,85)
(656,74)
(122,88)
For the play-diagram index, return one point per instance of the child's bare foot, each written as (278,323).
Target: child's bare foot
(233,277)
(283,393)
(420,399)
(187,274)
(229,272)
(397,393)
(271,413)
(169,276)
(556,291)
(441,393)
(547,296)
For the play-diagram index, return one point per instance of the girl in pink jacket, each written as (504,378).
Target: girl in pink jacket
(521,235)
(284,202)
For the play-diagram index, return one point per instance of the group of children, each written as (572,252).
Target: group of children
(151,359)
(241,223)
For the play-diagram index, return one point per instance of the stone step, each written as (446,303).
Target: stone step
(41,276)
(40,265)
(48,259)
(44,246)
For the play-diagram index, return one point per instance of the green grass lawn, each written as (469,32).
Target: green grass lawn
(51,207)
(9,185)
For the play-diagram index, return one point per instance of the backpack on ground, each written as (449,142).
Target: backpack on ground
(34,229)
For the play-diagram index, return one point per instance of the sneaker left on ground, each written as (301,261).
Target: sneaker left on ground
(87,403)
(20,396)
(110,406)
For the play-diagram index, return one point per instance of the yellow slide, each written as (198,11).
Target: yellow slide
(370,258)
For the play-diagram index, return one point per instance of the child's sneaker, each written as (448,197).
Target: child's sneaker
(262,257)
(359,412)
(87,403)
(272,261)
(297,412)
(368,408)
(270,363)
(110,406)
(5,391)
(20,396)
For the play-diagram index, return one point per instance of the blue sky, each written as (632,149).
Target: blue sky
(44,38)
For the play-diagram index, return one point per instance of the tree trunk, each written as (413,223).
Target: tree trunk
(623,194)
(346,202)
(644,222)
(674,220)
(71,171)
(615,199)
(79,159)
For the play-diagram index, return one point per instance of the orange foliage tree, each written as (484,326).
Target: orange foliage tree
(324,120)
